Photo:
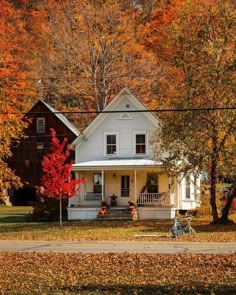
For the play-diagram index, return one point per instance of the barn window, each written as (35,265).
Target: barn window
(41,125)
(39,146)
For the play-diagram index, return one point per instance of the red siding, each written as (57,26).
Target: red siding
(27,158)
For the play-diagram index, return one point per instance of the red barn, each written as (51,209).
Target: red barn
(28,153)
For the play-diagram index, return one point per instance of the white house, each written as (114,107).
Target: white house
(115,155)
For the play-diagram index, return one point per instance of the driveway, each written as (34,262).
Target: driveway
(116,246)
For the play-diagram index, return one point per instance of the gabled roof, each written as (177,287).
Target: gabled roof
(60,116)
(111,106)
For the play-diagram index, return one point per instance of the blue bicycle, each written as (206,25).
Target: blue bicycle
(178,229)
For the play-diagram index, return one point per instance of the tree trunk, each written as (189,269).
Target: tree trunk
(214,180)
(225,211)
(60,212)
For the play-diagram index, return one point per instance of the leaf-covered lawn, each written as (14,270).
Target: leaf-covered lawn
(14,225)
(80,273)
(115,230)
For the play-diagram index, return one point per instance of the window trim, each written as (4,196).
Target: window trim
(43,126)
(135,143)
(117,144)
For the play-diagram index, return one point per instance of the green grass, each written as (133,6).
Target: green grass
(14,214)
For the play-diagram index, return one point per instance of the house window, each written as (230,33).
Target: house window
(140,145)
(125,185)
(187,187)
(40,125)
(111,144)
(97,183)
(152,183)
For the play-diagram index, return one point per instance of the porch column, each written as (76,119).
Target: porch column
(169,190)
(135,185)
(76,196)
(102,184)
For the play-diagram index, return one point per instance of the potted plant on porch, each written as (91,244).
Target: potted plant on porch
(131,206)
(131,202)
(103,203)
(113,200)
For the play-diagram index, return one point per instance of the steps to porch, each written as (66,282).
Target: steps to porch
(117,213)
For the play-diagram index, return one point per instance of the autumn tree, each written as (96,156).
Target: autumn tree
(57,180)
(199,58)
(13,88)
(93,52)
(11,130)
(16,83)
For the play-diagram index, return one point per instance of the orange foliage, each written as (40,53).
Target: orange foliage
(14,66)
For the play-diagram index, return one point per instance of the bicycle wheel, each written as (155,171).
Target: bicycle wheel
(172,233)
(192,232)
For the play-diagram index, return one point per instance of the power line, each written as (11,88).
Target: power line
(124,111)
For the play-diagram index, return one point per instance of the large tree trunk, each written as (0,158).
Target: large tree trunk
(214,159)
(225,211)
(213,189)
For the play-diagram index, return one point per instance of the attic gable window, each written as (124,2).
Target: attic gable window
(111,144)
(41,125)
(125,116)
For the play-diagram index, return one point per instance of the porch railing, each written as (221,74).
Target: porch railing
(158,199)
(90,196)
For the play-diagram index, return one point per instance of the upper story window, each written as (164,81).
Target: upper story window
(40,125)
(140,143)
(111,144)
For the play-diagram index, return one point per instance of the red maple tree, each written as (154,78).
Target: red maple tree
(57,179)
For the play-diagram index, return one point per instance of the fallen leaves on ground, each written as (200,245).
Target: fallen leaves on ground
(116,273)
(116,230)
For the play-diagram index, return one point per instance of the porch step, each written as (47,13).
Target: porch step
(117,214)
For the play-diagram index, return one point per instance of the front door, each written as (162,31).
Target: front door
(124,190)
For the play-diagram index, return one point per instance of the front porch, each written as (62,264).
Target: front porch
(155,195)
(140,180)
(91,199)
(147,206)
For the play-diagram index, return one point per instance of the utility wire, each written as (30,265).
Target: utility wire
(124,111)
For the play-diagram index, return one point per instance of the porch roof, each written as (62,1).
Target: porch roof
(116,164)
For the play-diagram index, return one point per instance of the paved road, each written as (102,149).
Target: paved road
(116,246)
